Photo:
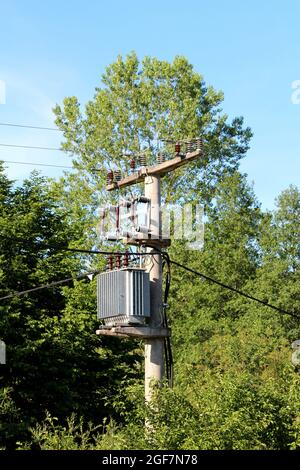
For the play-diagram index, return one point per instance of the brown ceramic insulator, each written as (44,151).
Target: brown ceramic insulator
(118,261)
(110,263)
(132,165)
(177,147)
(126,260)
(110,177)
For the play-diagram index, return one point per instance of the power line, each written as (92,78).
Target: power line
(96,252)
(30,127)
(33,147)
(78,250)
(197,273)
(37,164)
(47,286)
(167,341)
(64,281)
(215,281)
(233,289)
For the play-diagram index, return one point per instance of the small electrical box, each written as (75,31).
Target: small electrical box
(123,297)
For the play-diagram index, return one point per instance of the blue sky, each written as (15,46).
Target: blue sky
(250,50)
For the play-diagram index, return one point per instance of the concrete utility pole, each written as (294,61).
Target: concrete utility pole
(156,331)
(154,347)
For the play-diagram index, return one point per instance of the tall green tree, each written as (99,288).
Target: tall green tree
(278,280)
(55,362)
(230,254)
(137,104)
(235,387)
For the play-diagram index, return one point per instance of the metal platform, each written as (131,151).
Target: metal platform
(151,242)
(142,332)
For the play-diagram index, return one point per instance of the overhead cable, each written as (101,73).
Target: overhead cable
(9,124)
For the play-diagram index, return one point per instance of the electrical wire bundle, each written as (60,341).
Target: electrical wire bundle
(167,341)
